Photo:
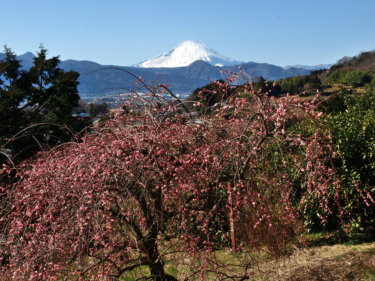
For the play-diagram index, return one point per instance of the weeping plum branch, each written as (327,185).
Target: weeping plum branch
(149,185)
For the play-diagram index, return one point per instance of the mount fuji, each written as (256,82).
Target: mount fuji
(185,54)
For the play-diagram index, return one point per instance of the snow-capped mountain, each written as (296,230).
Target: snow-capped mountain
(186,53)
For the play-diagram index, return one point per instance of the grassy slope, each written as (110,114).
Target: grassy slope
(334,262)
(329,262)
(323,259)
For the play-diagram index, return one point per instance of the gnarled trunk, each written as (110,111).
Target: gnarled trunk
(156,263)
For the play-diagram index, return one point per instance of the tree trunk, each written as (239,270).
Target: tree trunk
(158,273)
(156,263)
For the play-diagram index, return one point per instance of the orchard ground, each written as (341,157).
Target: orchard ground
(324,258)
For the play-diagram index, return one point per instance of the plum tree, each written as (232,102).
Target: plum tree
(150,184)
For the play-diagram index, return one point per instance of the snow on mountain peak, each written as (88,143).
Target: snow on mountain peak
(186,53)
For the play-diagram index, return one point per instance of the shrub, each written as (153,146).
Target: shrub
(353,132)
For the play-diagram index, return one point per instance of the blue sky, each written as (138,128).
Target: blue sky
(126,32)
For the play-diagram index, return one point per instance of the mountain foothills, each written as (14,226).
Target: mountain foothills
(184,68)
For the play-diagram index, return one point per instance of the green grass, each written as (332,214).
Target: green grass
(369,275)
(172,271)
(142,271)
(333,238)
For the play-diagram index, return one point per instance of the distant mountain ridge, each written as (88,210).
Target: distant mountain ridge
(309,67)
(98,80)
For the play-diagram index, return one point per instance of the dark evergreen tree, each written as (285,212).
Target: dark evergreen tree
(35,105)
